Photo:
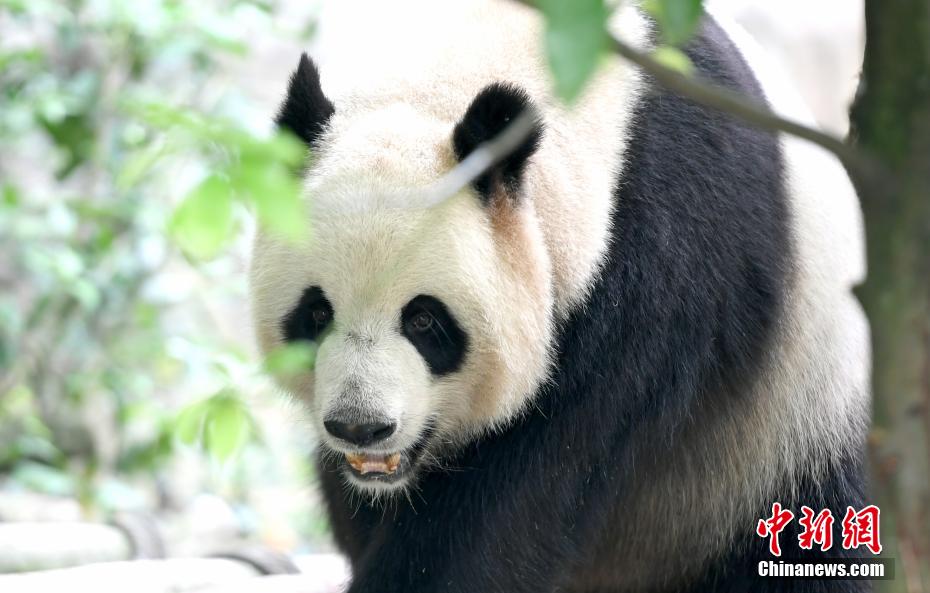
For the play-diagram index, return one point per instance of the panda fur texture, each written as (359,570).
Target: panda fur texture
(599,365)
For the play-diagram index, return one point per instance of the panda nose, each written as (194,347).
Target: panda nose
(359,434)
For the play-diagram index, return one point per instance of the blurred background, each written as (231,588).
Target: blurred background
(133,411)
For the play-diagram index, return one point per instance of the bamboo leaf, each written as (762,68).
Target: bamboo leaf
(228,426)
(576,37)
(203,223)
(677,19)
(291,359)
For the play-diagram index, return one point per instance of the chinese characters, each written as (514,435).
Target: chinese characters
(859,528)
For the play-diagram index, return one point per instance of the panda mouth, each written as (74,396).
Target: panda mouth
(386,468)
(373,464)
(381,468)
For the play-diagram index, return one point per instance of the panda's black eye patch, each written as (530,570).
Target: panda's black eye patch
(429,326)
(310,317)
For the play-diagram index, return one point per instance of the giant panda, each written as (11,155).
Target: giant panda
(594,368)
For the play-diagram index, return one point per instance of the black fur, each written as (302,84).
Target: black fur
(309,318)
(488,115)
(443,343)
(305,110)
(683,310)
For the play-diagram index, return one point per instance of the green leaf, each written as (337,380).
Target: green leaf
(188,426)
(673,58)
(75,135)
(140,163)
(203,223)
(10,195)
(14,6)
(677,19)
(275,193)
(576,36)
(228,426)
(225,43)
(19,400)
(292,359)
(285,147)
(86,292)
(164,116)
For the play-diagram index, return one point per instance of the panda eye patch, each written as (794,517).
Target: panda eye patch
(312,315)
(439,339)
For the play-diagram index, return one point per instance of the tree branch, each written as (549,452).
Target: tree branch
(732,103)
(715,97)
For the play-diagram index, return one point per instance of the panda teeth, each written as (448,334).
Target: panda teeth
(374,464)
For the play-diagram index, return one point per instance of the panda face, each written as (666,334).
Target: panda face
(433,322)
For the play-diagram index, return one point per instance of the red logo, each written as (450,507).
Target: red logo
(859,528)
(817,529)
(774,525)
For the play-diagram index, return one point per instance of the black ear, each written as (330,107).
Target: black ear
(487,116)
(306,109)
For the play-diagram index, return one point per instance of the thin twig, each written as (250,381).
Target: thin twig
(729,102)
(715,97)
(482,158)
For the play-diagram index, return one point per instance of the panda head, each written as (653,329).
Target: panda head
(432,323)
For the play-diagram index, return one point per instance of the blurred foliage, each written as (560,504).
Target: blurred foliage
(577,37)
(677,19)
(287,361)
(110,111)
(221,422)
